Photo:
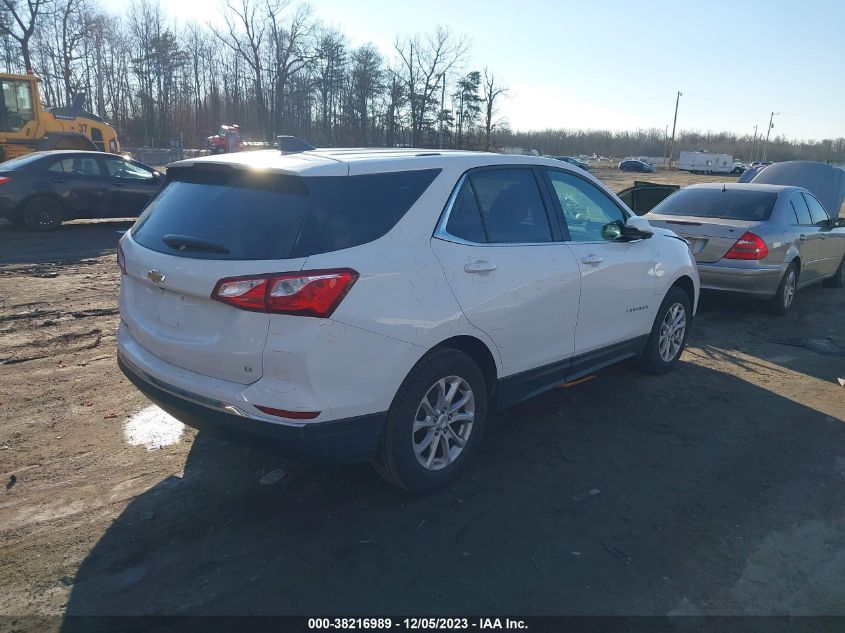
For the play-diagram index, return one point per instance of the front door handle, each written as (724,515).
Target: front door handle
(802,237)
(479,266)
(593,260)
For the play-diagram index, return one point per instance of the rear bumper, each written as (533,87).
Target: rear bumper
(762,281)
(349,440)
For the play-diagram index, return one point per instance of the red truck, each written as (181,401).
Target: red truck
(227,139)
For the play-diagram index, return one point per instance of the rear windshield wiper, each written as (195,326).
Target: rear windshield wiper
(187,242)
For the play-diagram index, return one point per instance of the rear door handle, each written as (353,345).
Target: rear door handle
(802,237)
(593,260)
(59,179)
(479,266)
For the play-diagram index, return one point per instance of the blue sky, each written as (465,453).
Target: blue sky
(616,64)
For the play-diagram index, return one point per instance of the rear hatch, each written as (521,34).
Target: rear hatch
(208,223)
(712,219)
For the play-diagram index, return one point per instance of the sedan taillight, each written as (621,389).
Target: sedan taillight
(749,246)
(4,180)
(314,293)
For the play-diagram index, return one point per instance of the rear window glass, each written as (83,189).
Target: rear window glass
(728,204)
(21,161)
(217,212)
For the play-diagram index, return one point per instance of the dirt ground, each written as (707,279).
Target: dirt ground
(716,489)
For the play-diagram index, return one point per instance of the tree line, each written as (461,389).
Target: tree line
(654,143)
(273,68)
(270,66)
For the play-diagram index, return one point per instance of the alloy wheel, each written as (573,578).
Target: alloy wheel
(443,422)
(672,332)
(789,288)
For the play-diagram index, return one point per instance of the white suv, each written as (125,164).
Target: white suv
(358,304)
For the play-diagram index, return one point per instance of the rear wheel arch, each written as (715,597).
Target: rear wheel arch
(479,352)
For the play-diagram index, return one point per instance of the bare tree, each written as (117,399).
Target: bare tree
(492,92)
(290,40)
(246,27)
(424,63)
(24,19)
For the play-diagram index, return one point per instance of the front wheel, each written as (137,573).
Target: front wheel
(838,280)
(785,295)
(668,334)
(435,422)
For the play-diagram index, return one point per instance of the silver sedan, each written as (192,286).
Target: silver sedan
(758,239)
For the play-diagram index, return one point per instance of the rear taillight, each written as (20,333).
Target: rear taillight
(4,180)
(749,246)
(121,260)
(314,293)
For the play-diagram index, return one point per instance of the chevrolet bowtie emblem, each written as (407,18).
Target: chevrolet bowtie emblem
(156,277)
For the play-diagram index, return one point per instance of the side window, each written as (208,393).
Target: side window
(512,210)
(77,166)
(125,169)
(368,206)
(800,211)
(586,208)
(465,217)
(817,212)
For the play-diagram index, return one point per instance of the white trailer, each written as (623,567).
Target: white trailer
(522,151)
(701,162)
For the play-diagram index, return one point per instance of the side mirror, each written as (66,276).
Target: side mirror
(637,228)
(837,223)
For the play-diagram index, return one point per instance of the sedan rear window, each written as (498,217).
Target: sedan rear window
(218,212)
(727,204)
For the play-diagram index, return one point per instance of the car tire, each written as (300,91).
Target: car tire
(838,279)
(413,448)
(669,333)
(787,289)
(42,213)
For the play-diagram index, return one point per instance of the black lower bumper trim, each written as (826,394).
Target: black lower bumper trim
(351,440)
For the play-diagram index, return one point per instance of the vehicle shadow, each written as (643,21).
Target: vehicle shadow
(71,243)
(741,331)
(628,495)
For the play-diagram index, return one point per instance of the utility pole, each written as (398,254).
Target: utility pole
(674,123)
(768,131)
(752,156)
(666,141)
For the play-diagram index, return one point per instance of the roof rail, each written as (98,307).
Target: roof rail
(291,145)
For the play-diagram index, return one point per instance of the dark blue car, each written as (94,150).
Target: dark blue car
(43,189)
(636,165)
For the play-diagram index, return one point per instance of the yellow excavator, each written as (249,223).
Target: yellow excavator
(26,126)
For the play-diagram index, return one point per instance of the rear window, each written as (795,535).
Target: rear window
(21,161)
(728,204)
(217,212)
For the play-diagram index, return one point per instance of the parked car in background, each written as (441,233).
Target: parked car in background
(43,189)
(739,167)
(636,165)
(644,196)
(763,240)
(573,161)
(359,305)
